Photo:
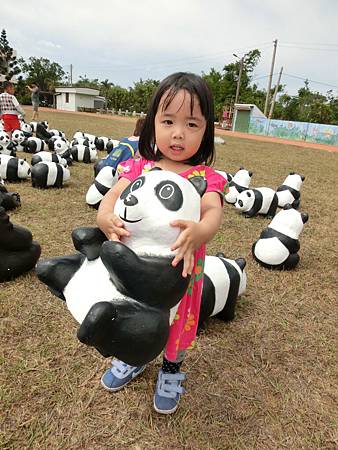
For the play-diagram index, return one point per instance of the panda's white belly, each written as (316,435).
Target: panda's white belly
(284,197)
(89,285)
(271,251)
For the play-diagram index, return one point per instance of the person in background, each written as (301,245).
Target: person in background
(34,90)
(10,109)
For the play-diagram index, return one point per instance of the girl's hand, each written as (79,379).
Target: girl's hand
(187,243)
(112,226)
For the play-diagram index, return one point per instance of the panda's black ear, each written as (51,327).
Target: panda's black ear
(302,177)
(291,173)
(241,168)
(200,184)
(305,217)
(155,168)
(250,174)
(287,206)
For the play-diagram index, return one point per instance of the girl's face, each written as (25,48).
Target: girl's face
(178,130)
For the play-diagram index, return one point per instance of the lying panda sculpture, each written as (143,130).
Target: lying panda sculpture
(47,156)
(238,183)
(105,180)
(288,192)
(8,200)
(49,174)
(35,145)
(14,169)
(278,244)
(18,252)
(262,200)
(82,153)
(125,294)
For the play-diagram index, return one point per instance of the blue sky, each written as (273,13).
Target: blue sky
(126,40)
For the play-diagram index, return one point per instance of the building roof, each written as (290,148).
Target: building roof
(77,90)
(249,107)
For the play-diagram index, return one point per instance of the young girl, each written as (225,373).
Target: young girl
(178,135)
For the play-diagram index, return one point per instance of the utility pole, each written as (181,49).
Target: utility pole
(275,93)
(270,77)
(239,77)
(71,74)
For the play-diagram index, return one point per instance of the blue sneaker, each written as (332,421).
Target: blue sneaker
(119,375)
(168,391)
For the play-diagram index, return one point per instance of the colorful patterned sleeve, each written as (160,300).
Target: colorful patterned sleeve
(216,182)
(129,169)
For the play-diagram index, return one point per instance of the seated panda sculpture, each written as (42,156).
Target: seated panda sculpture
(49,174)
(238,183)
(278,245)
(288,192)
(125,294)
(8,200)
(14,169)
(18,252)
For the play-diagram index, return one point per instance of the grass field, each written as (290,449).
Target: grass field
(265,381)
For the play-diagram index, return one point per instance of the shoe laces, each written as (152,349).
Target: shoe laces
(169,384)
(121,369)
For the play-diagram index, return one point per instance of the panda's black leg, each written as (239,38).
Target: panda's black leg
(296,203)
(291,262)
(88,241)
(273,207)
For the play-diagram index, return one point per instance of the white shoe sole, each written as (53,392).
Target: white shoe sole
(165,411)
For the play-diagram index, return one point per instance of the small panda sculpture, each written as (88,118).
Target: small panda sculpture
(124,294)
(101,143)
(18,252)
(278,244)
(42,133)
(257,201)
(8,200)
(60,145)
(78,134)
(82,153)
(112,143)
(239,183)
(80,141)
(57,133)
(26,129)
(35,145)
(288,192)
(49,174)
(19,140)
(105,180)
(7,147)
(47,156)
(14,169)
(224,281)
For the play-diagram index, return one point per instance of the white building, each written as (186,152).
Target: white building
(75,98)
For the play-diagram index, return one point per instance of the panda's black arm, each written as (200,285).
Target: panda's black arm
(291,244)
(149,279)
(88,241)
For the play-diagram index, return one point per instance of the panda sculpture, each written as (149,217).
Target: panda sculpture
(60,145)
(42,132)
(257,201)
(35,145)
(19,140)
(82,153)
(78,134)
(18,252)
(80,141)
(47,156)
(49,174)
(278,245)
(57,133)
(239,183)
(101,143)
(7,147)
(112,143)
(288,192)
(224,281)
(26,129)
(14,169)
(8,200)
(105,180)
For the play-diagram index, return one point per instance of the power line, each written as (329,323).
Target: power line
(312,81)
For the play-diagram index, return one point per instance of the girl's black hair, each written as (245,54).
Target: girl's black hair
(170,86)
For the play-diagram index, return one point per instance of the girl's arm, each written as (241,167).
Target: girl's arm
(193,234)
(107,221)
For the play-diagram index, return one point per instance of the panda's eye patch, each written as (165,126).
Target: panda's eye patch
(170,195)
(248,194)
(132,187)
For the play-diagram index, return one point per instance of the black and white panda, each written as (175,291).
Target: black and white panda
(79,134)
(8,200)
(101,142)
(34,125)
(26,129)
(82,153)
(257,201)
(35,145)
(80,141)
(47,156)
(14,169)
(7,147)
(42,132)
(105,180)
(112,143)
(224,281)
(60,145)
(49,174)
(239,183)
(125,294)
(18,252)
(288,192)
(19,139)
(57,133)
(278,245)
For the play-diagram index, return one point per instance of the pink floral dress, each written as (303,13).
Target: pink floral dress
(183,330)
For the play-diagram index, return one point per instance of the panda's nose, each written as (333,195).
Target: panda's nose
(130,200)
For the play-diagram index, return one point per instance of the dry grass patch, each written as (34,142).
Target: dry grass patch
(264,381)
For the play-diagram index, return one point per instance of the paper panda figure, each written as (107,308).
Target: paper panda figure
(224,281)
(257,201)
(125,294)
(101,142)
(288,192)
(35,145)
(49,174)
(78,134)
(105,180)
(82,153)
(14,169)
(34,125)
(8,200)
(239,183)
(7,147)
(19,140)
(47,156)
(18,252)
(26,129)
(111,144)
(80,141)
(278,244)
(42,132)
(57,133)
(60,145)
(67,156)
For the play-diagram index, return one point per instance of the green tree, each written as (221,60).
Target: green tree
(8,62)
(45,73)
(141,94)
